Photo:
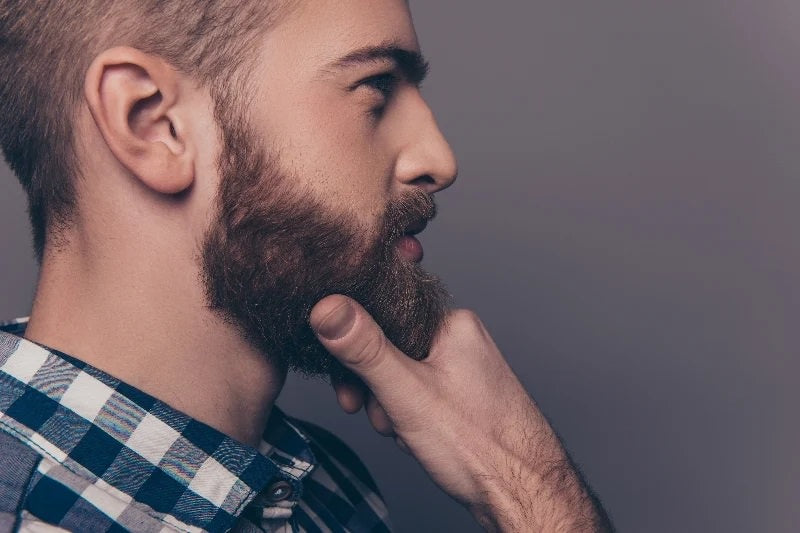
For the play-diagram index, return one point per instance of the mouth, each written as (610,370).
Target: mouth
(408,246)
(419,227)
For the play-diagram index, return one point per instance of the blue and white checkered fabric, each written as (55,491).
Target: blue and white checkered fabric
(112,458)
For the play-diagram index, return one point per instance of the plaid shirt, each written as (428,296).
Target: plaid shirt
(83,451)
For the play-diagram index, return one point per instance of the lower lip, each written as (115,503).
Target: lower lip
(410,248)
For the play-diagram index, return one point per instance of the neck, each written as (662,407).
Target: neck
(147,324)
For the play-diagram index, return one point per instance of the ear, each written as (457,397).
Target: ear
(132,97)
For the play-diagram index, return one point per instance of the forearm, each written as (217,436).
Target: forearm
(560,504)
(537,489)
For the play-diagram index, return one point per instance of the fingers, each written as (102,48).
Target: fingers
(378,417)
(350,394)
(402,445)
(352,336)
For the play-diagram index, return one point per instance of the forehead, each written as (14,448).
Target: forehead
(316,32)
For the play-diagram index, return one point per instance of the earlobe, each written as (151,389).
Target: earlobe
(132,97)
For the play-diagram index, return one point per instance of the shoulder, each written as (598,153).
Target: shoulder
(18,463)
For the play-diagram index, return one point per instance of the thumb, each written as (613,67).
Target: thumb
(350,334)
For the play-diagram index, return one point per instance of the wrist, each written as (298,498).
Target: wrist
(552,500)
(536,488)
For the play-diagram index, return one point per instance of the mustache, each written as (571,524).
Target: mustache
(408,214)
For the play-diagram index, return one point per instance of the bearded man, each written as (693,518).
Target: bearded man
(220,192)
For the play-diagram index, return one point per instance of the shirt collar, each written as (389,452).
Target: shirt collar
(189,470)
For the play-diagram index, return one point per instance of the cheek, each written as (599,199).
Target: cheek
(333,147)
(350,180)
(355,176)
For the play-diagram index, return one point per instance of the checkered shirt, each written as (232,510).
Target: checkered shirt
(104,456)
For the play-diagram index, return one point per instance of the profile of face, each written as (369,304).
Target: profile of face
(325,171)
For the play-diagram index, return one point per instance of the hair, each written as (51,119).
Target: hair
(46,47)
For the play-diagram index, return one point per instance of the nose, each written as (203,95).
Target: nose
(426,159)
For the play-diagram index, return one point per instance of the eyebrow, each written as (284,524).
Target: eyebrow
(412,64)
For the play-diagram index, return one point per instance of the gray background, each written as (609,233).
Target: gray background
(625,224)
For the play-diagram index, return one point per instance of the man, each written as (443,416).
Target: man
(221,192)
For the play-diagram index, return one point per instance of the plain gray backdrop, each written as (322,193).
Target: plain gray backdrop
(625,223)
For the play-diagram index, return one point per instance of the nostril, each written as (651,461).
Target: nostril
(428,180)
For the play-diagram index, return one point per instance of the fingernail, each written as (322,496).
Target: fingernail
(338,322)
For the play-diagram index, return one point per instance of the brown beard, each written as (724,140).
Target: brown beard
(274,250)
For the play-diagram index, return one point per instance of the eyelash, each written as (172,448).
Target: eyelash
(385,84)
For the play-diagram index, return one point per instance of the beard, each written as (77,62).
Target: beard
(275,249)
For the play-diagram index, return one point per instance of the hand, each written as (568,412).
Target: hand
(464,415)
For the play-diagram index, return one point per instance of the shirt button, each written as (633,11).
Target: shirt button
(279,491)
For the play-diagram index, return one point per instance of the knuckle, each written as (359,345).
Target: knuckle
(368,353)
(466,321)
(463,330)
(383,430)
(378,418)
(382,425)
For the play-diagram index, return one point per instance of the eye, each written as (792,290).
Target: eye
(385,83)
(382,87)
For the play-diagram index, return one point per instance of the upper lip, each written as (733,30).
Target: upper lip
(417,228)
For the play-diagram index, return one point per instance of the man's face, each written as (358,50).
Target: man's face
(323,172)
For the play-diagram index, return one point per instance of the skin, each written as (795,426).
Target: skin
(125,290)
